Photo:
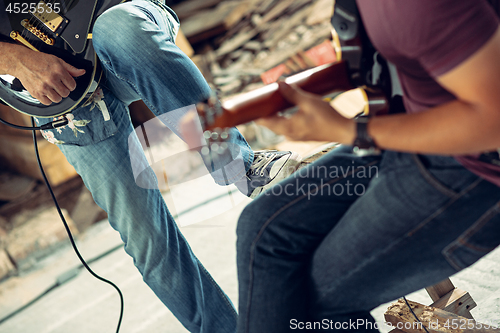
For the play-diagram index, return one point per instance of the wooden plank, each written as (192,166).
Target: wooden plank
(203,65)
(236,42)
(456,301)
(266,5)
(256,5)
(26,243)
(15,117)
(140,113)
(287,26)
(202,26)
(276,11)
(7,268)
(237,13)
(322,11)
(434,319)
(4,225)
(189,8)
(214,22)
(13,186)
(19,211)
(182,42)
(440,289)
(320,32)
(18,154)
(86,211)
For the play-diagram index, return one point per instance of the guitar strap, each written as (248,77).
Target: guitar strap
(496,6)
(374,70)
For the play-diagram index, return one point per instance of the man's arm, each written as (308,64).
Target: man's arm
(470,124)
(46,77)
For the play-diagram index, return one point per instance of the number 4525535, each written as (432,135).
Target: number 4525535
(463,323)
(26,8)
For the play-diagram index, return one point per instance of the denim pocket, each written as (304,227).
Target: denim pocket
(444,173)
(478,240)
(86,125)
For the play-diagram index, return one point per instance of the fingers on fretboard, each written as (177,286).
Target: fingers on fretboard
(216,138)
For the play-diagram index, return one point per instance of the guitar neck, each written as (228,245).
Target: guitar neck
(267,100)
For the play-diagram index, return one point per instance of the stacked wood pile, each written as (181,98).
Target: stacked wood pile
(238,41)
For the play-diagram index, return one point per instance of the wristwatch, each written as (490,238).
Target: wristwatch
(364,144)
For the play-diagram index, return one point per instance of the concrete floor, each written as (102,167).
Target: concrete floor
(83,304)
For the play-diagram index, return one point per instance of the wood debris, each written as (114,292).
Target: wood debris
(236,41)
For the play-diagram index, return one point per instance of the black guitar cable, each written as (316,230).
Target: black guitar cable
(414,314)
(70,235)
(52,125)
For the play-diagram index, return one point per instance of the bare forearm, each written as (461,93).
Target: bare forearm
(9,57)
(454,128)
(46,77)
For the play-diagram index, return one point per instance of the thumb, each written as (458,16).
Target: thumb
(292,94)
(75,72)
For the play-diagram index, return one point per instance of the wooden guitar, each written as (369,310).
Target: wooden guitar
(327,80)
(59,27)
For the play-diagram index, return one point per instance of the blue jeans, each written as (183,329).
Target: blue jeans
(135,43)
(349,233)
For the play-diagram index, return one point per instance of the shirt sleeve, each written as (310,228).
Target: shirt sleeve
(459,29)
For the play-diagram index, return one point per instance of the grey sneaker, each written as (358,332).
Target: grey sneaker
(269,167)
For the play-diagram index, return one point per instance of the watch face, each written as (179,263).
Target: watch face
(363,140)
(366,151)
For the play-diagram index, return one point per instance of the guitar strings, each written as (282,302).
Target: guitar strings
(37,24)
(31,21)
(25,32)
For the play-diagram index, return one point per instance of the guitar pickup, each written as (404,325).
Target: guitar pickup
(49,16)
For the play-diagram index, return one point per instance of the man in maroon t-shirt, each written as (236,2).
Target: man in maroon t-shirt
(349,232)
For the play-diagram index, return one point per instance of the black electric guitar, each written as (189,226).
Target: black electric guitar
(59,27)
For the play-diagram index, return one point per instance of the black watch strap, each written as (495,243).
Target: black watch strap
(364,143)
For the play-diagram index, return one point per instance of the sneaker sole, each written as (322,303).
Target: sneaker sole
(291,165)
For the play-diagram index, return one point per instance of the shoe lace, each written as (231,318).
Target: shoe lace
(262,159)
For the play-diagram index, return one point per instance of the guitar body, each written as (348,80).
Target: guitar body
(61,28)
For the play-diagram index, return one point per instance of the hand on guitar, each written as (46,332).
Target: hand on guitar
(316,120)
(46,77)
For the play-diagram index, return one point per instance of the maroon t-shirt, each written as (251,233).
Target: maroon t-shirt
(425,39)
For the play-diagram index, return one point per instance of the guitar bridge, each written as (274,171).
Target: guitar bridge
(15,35)
(35,31)
(47,15)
